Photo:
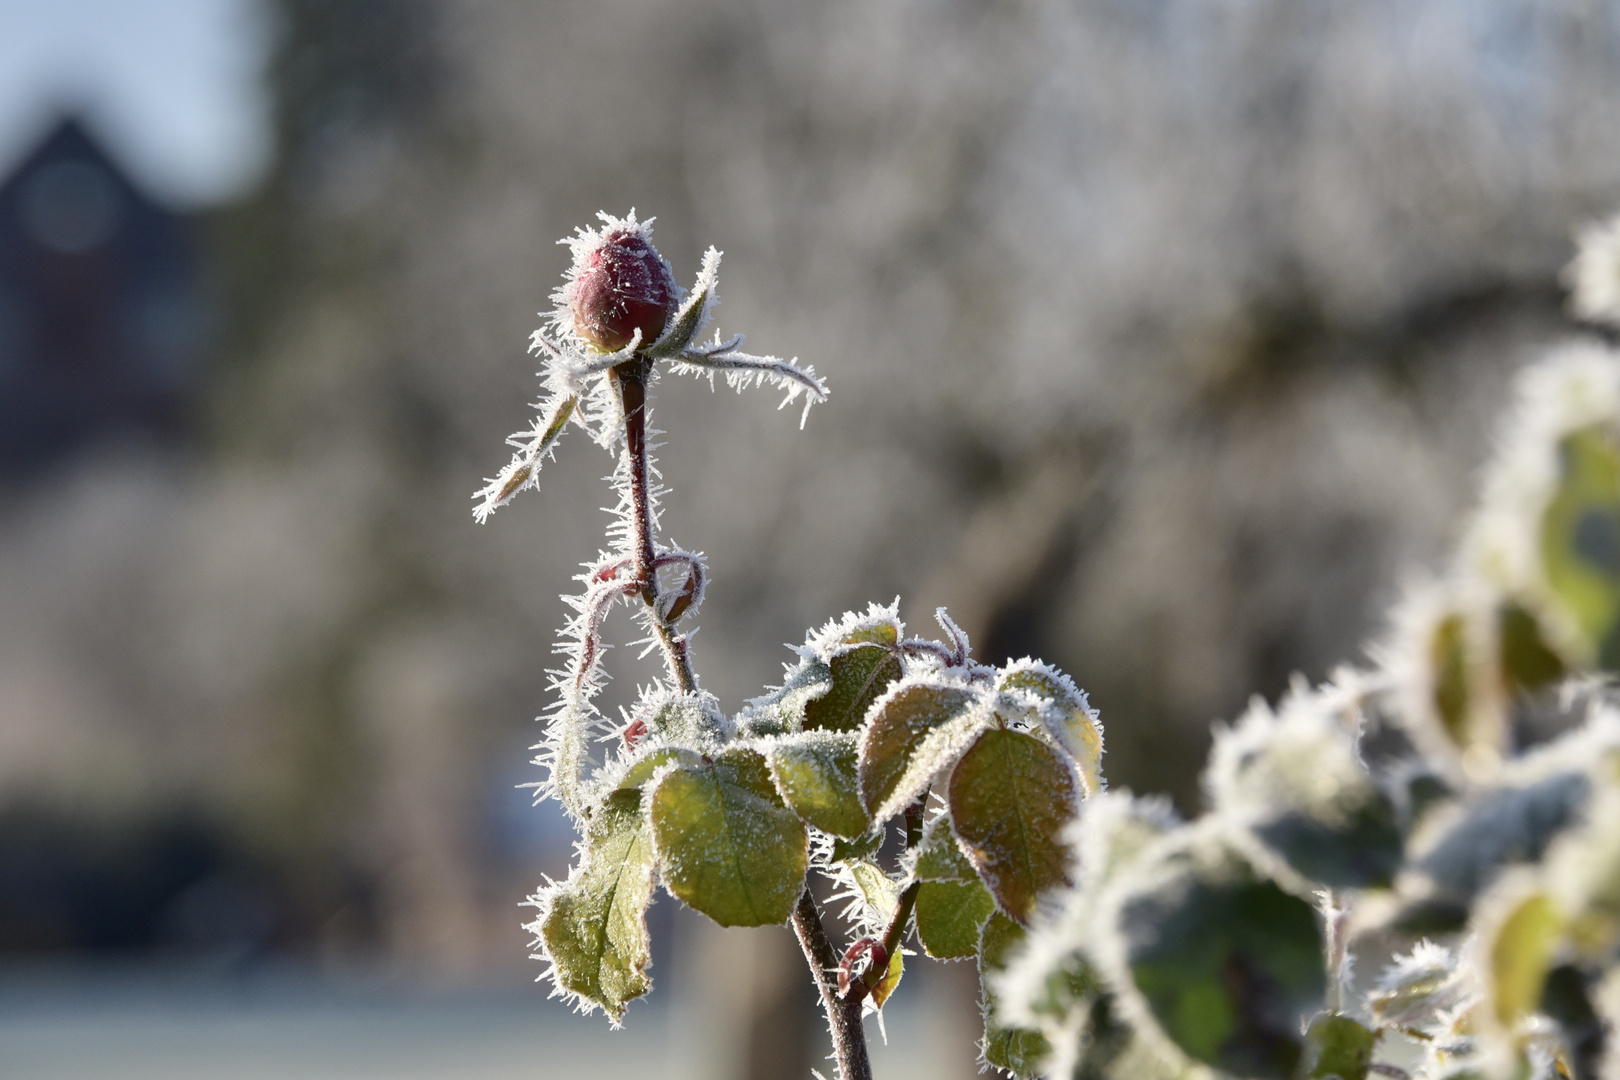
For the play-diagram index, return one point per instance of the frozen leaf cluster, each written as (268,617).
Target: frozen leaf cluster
(1470,862)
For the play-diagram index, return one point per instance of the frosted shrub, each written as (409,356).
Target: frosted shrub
(1448,813)
(732,813)
(1413,813)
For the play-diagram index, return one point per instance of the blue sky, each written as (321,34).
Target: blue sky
(173,86)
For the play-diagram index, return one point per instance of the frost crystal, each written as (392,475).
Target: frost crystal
(1593,276)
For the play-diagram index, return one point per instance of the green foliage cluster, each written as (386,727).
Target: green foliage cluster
(1449,813)
(730,814)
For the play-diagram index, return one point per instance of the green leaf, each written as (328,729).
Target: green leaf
(1520,947)
(593,927)
(1337,1048)
(950,916)
(1066,714)
(891,979)
(860,674)
(938,857)
(1010,797)
(858,848)
(1448,656)
(1506,824)
(917,729)
(1019,1051)
(1580,538)
(689,316)
(651,760)
(878,891)
(1294,777)
(1226,961)
(781,711)
(1527,663)
(952,903)
(816,774)
(688,719)
(728,845)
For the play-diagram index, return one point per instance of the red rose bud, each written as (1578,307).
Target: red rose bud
(620,286)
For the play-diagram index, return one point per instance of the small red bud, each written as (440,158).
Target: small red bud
(634,732)
(620,286)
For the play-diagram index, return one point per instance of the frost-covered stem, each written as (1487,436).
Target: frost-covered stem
(631,380)
(896,929)
(843,1014)
(1336,914)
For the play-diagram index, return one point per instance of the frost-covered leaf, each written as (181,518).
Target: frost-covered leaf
(523,472)
(1011,797)
(729,846)
(692,720)
(872,893)
(1065,713)
(860,674)
(938,857)
(1418,989)
(950,916)
(1528,663)
(1226,962)
(816,774)
(952,903)
(1115,831)
(1458,852)
(1580,539)
(1337,1047)
(1294,778)
(693,311)
(917,729)
(1519,933)
(593,926)
(649,761)
(781,711)
(891,979)
(1020,1051)
(863,653)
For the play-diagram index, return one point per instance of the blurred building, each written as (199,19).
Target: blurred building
(103,318)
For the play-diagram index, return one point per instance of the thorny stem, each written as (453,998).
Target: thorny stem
(843,1013)
(631,380)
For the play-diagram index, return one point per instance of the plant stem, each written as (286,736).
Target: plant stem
(908,898)
(843,1014)
(631,380)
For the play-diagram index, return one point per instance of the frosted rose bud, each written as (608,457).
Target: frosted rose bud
(620,286)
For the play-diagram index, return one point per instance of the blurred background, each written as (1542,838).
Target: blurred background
(1164,336)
